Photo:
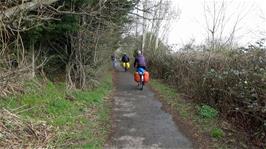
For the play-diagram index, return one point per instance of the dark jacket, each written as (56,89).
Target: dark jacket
(125,59)
(140,61)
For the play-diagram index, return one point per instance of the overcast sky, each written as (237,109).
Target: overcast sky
(191,23)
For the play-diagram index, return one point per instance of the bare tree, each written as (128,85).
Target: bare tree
(144,25)
(156,16)
(27,6)
(160,27)
(221,27)
(77,50)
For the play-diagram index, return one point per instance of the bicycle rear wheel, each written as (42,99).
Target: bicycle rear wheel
(141,82)
(142,86)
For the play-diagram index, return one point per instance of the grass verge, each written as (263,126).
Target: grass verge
(199,122)
(79,119)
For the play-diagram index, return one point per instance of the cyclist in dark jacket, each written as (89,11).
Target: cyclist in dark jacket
(140,61)
(125,58)
(140,64)
(125,61)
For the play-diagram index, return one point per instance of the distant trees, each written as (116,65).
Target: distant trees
(155,17)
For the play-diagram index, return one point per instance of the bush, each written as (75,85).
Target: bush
(206,111)
(234,82)
(217,133)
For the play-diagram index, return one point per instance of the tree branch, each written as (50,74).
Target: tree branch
(26,7)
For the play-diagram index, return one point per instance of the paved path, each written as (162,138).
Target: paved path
(139,121)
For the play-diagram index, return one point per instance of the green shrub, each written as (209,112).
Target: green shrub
(207,111)
(217,133)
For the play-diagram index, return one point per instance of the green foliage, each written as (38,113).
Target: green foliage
(50,103)
(95,96)
(68,24)
(52,30)
(217,133)
(207,111)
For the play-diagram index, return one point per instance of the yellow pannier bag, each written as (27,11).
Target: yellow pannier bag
(126,65)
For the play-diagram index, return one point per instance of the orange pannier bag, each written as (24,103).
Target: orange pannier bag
(146,76)
(136,77)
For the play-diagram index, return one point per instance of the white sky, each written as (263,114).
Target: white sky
(191,23)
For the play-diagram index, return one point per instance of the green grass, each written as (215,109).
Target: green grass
(203,117)
(217,133)
(79,123)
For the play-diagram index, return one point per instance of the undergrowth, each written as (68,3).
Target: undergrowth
(230,80)
(79,118)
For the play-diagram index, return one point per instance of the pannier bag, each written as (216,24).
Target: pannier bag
(126,65)
(136,77)
(146,77)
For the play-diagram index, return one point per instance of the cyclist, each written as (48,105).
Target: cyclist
(140,62)
(125,61)
(113,60)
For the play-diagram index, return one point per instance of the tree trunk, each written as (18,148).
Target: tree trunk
(144,33)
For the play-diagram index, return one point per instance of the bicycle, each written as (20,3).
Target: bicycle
(141,82)
(141,77)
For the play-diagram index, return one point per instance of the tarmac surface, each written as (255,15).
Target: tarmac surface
(139,121)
